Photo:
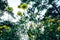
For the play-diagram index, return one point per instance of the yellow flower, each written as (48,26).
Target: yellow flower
(1,27)
(8,29)
(30,35)
(9,9)
(23,6)
(0,31)
(50,20)
(19,13)
(58,20)
(19,6)
(58,28)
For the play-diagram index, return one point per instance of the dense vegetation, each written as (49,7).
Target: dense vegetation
(46,27)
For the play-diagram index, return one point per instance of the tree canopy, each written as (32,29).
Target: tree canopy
(41,21)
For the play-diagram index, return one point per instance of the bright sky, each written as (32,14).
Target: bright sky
(14,4)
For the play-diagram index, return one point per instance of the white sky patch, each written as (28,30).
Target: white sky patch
(36,10)
(42,13)
(14,4)
(58,3)
(5,16)
(30,4)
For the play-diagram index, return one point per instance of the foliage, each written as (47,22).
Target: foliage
(23,6)
(8,31)
(32,23)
